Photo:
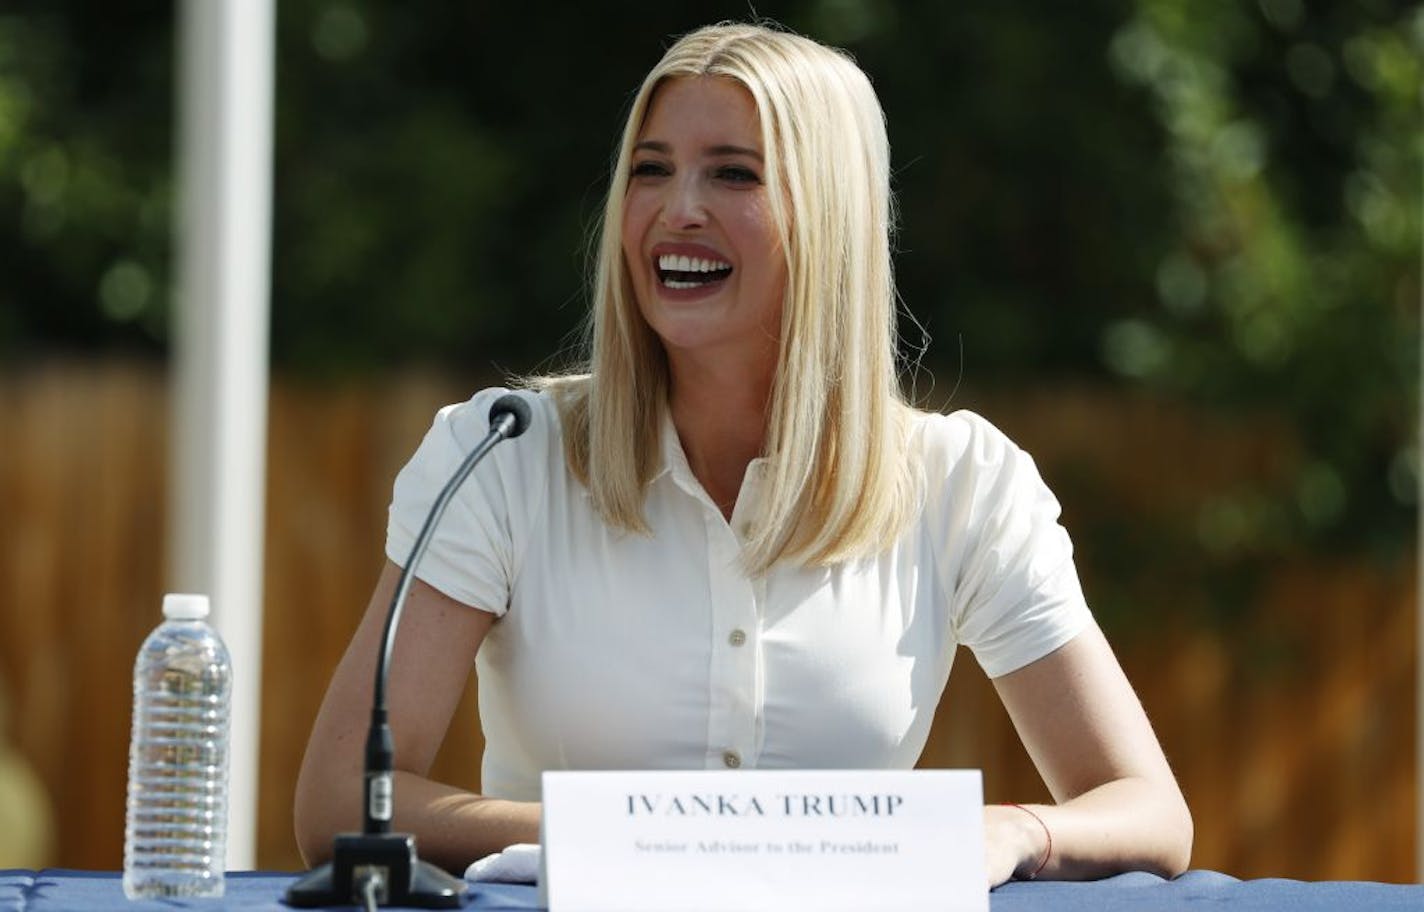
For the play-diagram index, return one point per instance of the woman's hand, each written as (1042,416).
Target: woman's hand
(1013,842)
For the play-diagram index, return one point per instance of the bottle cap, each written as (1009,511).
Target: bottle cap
(179,606)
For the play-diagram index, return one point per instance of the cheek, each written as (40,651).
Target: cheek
(759,228)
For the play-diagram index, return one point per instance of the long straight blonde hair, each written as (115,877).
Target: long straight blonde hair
(838,485)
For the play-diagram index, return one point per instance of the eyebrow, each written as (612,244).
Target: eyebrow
(653,145)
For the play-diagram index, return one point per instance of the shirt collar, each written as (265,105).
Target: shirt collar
(673,461)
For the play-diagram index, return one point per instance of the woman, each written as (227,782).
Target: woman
(732,543)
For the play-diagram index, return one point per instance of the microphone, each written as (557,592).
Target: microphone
(377,867)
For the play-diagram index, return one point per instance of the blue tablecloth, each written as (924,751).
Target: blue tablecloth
(81,891)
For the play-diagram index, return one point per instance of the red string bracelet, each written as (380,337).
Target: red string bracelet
(1048,853)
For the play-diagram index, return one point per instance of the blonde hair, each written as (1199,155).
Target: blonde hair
(838,485)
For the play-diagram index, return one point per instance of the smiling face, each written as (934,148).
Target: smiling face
(698,236)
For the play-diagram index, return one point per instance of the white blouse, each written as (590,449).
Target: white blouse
(614,650)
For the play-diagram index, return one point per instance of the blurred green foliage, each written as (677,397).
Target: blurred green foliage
(1213,200)
(85,140)
(1290,287)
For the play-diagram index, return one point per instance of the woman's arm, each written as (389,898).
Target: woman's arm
(434,651)
(1118,807)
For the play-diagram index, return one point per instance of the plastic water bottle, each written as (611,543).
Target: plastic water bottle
(175,840)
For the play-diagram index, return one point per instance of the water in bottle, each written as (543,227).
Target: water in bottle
(175,841)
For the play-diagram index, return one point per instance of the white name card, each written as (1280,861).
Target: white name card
(752,840)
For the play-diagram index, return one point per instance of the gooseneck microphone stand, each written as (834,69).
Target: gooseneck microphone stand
(377,867)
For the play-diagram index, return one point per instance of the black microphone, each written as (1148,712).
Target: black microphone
(377,867)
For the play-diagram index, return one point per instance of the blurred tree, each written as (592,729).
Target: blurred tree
(85,138)
(1291,285)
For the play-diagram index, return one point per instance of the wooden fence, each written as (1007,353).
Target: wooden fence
(1298,769)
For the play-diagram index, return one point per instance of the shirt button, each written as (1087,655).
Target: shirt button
(732,759)
(737,637)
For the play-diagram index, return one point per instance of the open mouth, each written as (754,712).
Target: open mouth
(680,272)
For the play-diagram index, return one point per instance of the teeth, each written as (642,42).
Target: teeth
(672,263)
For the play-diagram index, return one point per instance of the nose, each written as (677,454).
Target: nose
(683,205)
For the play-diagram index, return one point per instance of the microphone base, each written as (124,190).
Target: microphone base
(408,881)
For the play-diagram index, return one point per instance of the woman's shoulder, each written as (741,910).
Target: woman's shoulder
(459,427)
(959,440)
(467,422)
(962,459)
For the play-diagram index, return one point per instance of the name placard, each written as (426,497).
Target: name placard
(754,840)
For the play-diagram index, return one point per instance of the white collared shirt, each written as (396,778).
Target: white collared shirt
(614,650)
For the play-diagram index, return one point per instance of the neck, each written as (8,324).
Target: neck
(720,413)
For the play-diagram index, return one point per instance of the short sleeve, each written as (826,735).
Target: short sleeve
(473,554)
(1015,594)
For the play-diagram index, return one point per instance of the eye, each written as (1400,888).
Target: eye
(738,174)
(650,169)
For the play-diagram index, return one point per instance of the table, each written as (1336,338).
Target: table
(80,891)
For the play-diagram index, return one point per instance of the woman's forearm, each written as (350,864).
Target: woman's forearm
(453,827)
(1125,825)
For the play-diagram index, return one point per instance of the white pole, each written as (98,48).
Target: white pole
(219,433)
